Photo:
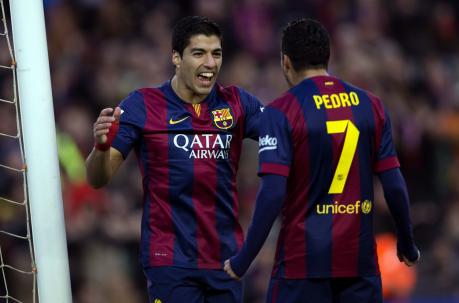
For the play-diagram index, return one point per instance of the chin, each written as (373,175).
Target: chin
(204,90)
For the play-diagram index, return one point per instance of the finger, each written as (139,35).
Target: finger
(105,119)
(229,270)
(101,132)
(106,111)
(117,113)
(102,126)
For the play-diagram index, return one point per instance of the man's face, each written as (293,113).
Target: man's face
(200,63)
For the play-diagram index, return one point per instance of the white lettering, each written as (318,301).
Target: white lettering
(207,136)
(196,141)
(218,142)
(204,146)
(228,141)
(182,146)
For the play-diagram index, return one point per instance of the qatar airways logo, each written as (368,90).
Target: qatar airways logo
(204,146)
(267,143)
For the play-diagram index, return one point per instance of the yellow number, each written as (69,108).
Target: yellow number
(347,154)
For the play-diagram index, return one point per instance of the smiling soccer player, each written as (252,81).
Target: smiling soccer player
(187,135)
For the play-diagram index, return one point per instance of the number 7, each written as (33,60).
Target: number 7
(347,154)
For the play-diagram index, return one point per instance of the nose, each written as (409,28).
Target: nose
(210,61)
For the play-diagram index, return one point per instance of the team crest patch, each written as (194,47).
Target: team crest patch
(223,118)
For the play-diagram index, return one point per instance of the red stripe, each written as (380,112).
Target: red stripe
(379,118)
(204,197)
(386,164)
(346,228)
(295,209)
(275,291)
(274,168)
(160,217)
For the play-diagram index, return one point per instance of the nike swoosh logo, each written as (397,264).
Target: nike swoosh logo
(171,121)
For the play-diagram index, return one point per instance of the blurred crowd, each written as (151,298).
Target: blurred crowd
(405,51)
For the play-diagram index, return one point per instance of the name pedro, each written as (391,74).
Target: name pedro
(336,100)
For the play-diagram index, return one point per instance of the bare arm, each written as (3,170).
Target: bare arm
(103,161)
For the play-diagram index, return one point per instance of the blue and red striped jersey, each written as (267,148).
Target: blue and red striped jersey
(328,138)
(188,157)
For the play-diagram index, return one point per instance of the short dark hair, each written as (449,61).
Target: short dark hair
(307,43)
(190,26)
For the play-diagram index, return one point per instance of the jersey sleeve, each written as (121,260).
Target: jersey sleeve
(252,109)
(132,120)
(275,146)
(386,156)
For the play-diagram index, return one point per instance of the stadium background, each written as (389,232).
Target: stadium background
(406,51)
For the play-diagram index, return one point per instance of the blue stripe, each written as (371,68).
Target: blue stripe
(226,225)
(180,193)
(364,120)
(318,227)
(146,237)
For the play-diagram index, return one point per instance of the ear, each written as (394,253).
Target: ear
(286,63)
(176,58)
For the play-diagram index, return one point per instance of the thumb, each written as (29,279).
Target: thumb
(117,113)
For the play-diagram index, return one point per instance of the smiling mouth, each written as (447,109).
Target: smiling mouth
(206,77)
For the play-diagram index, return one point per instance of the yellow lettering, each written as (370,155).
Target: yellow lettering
(357,206)
(342,209)
(350,209)
(318,100)
(320,212)
(336,102)
(326,99)
(344,99)
(354,98)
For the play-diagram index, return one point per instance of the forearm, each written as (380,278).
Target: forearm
(396,195)
(397,199)
(267,208)
(98,168)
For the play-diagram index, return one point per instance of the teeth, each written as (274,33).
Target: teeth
(207,75)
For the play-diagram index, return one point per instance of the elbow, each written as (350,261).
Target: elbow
(96,184)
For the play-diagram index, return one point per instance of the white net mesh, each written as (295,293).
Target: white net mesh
(17,265)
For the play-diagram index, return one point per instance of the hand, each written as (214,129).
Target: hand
(105,128)
(104,122)
(414,257)
(227,268)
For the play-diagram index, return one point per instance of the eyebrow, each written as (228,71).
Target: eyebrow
(203,50)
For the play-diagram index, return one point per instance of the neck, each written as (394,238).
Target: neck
(184,92)
(308,73)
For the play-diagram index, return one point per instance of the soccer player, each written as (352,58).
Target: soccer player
(320,144)
(187,135)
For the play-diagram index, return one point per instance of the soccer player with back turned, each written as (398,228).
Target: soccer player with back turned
(320,144)
(187,135)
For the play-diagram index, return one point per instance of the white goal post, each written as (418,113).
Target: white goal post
(39,133)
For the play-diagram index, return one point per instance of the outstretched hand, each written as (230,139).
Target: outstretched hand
(227,268)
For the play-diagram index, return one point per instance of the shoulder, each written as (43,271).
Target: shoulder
(235,93)
(133,99)
(374,99)
(283,102)
(229,93)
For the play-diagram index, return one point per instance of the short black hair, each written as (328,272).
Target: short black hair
(307,43)
(190,26)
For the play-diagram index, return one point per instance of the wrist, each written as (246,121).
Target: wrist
(102,146)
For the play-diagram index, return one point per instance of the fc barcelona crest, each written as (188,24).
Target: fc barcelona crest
(223,118)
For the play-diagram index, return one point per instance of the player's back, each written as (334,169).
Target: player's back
(337,138)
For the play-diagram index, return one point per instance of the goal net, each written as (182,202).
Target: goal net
(17,265)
